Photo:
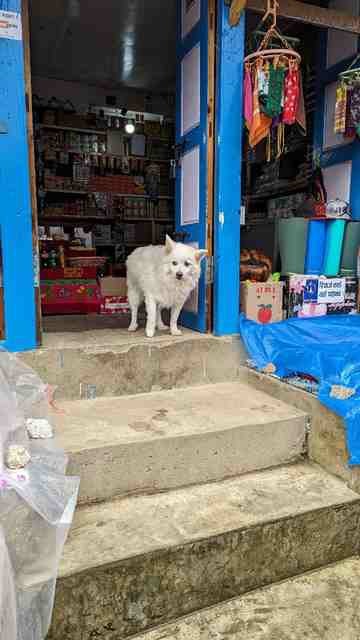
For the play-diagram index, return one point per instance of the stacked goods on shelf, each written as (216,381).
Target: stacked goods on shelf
(116,184)
(88,174)
(68,278)
(312,296)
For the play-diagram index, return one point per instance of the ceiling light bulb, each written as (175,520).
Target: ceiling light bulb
(130,127)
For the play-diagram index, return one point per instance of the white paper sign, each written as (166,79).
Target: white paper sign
(10,25)
(331,290)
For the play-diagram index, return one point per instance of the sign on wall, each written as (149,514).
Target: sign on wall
(10,25)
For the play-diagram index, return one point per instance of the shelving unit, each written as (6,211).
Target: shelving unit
(57,127)
(62,147)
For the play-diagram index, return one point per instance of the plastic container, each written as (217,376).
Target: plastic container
(315,247)
(350,249)
(333,249)
(292,244)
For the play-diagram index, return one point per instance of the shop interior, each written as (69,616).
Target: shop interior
(103,117)
(103,112)
(299,235)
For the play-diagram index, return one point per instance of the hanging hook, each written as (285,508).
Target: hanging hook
(272,7)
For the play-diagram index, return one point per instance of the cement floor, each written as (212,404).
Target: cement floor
(317,606)
(60,332)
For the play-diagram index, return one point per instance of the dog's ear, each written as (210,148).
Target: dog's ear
(169,244)
(200,254)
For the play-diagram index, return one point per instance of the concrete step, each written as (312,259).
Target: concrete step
(322,605)
(114,363)
(169,439)
(142,561)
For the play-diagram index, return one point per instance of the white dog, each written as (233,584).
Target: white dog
(164,277)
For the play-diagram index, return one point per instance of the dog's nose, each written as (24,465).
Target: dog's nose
(179,275)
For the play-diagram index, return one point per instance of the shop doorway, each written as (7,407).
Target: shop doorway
(120,103)
(278,173)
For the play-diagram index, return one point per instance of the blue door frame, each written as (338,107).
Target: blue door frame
(15,209)
(228,156)
(188,141)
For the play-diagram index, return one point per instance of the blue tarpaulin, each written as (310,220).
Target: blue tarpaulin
(326,348)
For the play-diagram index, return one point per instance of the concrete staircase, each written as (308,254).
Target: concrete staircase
(195,489)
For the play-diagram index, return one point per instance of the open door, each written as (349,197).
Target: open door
(194,144)
(32,171)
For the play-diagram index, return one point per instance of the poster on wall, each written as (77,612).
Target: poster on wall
(10,25)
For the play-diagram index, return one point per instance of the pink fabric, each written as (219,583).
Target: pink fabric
(248,99)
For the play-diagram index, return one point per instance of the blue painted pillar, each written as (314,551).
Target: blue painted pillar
(228,155)
(15,201)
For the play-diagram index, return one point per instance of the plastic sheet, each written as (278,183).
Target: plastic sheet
(37,503)
(325,348)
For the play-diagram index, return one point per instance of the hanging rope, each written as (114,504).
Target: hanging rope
(286,53)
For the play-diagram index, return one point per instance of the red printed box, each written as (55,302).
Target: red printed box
(113,305)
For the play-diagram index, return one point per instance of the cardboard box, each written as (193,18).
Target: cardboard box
(262,301)
(114,305)
(70,298)
(349,304)
(301,297)
(112,287)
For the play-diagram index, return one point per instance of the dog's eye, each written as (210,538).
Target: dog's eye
(175,263)
(187,264)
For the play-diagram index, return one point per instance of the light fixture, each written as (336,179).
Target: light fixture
(130,127)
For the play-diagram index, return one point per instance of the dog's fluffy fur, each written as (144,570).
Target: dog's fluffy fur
(163,277)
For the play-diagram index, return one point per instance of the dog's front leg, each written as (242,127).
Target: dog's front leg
(175,312)
(151,316)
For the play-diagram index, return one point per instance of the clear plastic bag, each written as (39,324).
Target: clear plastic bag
(37,504)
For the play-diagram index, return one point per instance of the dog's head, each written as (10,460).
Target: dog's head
(183,262)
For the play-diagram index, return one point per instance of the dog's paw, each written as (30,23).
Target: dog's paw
(133,328)
(176,332)
(149,333)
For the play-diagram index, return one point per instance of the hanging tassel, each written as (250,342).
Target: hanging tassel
(268,147)
(280,140)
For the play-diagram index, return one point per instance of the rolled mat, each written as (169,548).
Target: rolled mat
(333,249)
(350,249)
(293,234)
(315,247)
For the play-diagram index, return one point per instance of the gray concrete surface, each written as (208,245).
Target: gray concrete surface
(113,363)
(133,563)
(323,605)
(169,439)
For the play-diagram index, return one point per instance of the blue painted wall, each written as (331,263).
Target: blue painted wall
(228,154)
(15,202)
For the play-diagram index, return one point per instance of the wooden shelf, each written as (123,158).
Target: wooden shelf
(67,191)
(280,191)
(119,195)
(76,219)
(147,219)
(57,127)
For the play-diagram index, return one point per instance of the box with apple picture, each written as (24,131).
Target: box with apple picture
(262,301)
